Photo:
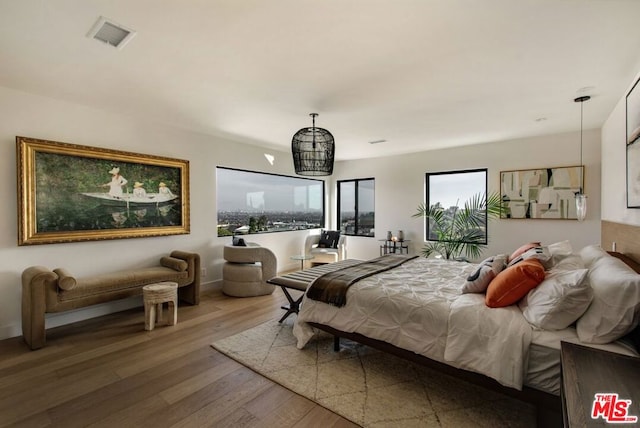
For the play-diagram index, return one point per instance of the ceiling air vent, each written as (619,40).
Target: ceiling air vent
(109,32)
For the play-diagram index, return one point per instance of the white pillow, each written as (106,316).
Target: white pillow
(592,253)
(570,262)
(615,309)
(559,251)
(558,301)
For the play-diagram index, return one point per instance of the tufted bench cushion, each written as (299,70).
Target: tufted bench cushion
(118,281)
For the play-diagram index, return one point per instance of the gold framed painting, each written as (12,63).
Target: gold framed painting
(70,193)
(542,193)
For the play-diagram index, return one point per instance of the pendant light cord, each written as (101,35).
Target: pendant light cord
(313,130)
(581,109)
(581,100)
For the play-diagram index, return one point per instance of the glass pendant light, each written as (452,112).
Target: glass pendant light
(581,198)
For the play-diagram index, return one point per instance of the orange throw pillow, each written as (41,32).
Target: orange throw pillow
(513,283)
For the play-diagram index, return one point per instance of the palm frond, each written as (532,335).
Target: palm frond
(495,207)
(464,229)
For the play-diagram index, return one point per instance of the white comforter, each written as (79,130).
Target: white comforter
(418,306)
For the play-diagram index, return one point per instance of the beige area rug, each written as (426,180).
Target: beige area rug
(368,387)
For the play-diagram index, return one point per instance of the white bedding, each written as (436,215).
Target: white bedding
(419,307)
(491,341)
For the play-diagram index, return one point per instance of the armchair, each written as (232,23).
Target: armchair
(325,255)
(247,270)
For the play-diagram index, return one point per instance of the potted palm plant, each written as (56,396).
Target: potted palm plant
(459,230)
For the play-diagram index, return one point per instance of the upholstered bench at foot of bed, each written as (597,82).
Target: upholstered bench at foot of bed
(299,280)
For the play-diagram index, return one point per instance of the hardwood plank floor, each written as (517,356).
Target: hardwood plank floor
(109,371)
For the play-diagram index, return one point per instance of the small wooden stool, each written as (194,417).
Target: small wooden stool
(154,296)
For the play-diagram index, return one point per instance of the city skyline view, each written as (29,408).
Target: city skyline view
(253,202)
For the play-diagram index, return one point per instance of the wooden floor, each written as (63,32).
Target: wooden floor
(110,372)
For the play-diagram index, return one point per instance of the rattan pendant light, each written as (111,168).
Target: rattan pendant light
(313,150)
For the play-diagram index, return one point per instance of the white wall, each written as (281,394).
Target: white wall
(399,190)
(39,117)
(614,161)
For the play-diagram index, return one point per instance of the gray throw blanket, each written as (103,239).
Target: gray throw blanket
(332,287)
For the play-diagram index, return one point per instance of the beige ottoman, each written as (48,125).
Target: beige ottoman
(247,269)
(155,295)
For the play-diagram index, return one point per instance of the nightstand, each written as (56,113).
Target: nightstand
(614,377)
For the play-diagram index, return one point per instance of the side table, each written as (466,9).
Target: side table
(154,296)
(302,258)
(394,247)
(599,387)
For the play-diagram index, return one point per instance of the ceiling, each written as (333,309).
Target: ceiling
(421,74)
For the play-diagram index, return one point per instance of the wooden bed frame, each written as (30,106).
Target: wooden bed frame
(548,406)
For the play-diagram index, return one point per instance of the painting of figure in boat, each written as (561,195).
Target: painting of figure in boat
(72,193)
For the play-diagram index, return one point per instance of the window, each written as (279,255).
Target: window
(257,202)
(449,192)
(356,208)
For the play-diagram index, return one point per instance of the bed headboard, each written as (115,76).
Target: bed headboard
(625,236)
(627,239)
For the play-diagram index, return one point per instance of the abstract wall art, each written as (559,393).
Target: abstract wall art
(633,146)
(543,193)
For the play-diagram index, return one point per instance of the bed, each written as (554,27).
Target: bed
(417,310)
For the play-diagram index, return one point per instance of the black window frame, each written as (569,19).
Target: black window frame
(356,181)
(428,175)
